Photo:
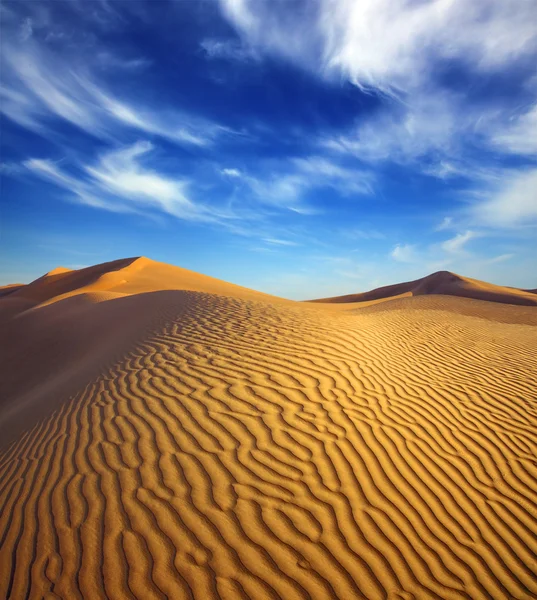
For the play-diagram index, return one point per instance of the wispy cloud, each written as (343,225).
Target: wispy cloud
(430,126)
(388,45)
(511,203)
(405,253)
(500,258)
(458,254)
(288,184)
(399,50)
(40,88)
(278,242)
(519,134)
(456,244)
(322,171)
(231,172)
(119,182)
(355,233)
(446,223)
(228,50)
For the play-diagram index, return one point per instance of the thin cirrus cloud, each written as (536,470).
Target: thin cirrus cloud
(511,203)
(457,243)
(397,49)
(446,223)
(387,45)
(443,254)
(288,185)
(519,135)
(38,84)
(404,253)
(405,132)
(228,50)
(119,182)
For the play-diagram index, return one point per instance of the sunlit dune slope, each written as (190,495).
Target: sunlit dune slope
(445,283)
(125,276)
(168,435)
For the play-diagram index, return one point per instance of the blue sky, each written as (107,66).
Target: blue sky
(302,148)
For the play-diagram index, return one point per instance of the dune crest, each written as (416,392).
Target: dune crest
(125,276)
(164,434)
(441,283)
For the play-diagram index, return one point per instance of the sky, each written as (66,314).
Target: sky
(304,148)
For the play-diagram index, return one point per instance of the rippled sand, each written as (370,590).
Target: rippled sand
(167,435)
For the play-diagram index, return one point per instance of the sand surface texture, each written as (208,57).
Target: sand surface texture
(167,435)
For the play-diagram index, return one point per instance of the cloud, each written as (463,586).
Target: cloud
(405,253)
(519,134)
(500,258)
(400,50)
(430,130)
(389,45)
(40,88)
(109,61)
(362,234)
(288,184)
(513,202)
(446,223)
(278,242)
(10,168)
(455,245)
(228,50)
(321,171)
(231,172)
(119,182)
(172,125)
(26,30)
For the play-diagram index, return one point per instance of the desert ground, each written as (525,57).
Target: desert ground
(166,435)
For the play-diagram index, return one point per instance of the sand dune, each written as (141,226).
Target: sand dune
(167,435)
(444,283)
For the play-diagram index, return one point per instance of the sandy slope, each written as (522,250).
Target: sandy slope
(444,283)
(167,435)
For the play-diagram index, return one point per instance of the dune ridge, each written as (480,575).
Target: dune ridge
(187,438)
(443,283)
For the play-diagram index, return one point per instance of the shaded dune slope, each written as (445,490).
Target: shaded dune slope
(444,283)
(220,443)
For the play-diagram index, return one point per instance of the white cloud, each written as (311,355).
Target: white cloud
(228,50)
(285,190)
(511,203)
(500,258)
(38,83)
(119,182)
(455,245)
(446,223)
(405,253)
(231,172)
(10,168)
(519,134)
(321,171)
(398,48)
(387,44)
(278,242)
(172,125)
(288,187)
(362,234)
(109,61)
(444,169)
(26,30)
(432,126)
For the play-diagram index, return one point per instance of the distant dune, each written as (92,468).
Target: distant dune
(164,434)
(444,283)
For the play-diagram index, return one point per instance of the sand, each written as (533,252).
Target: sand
(441,283)
(167,435)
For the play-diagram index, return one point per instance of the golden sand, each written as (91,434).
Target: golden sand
(167,435)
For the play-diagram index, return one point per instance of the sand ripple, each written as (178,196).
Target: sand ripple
(248,449)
